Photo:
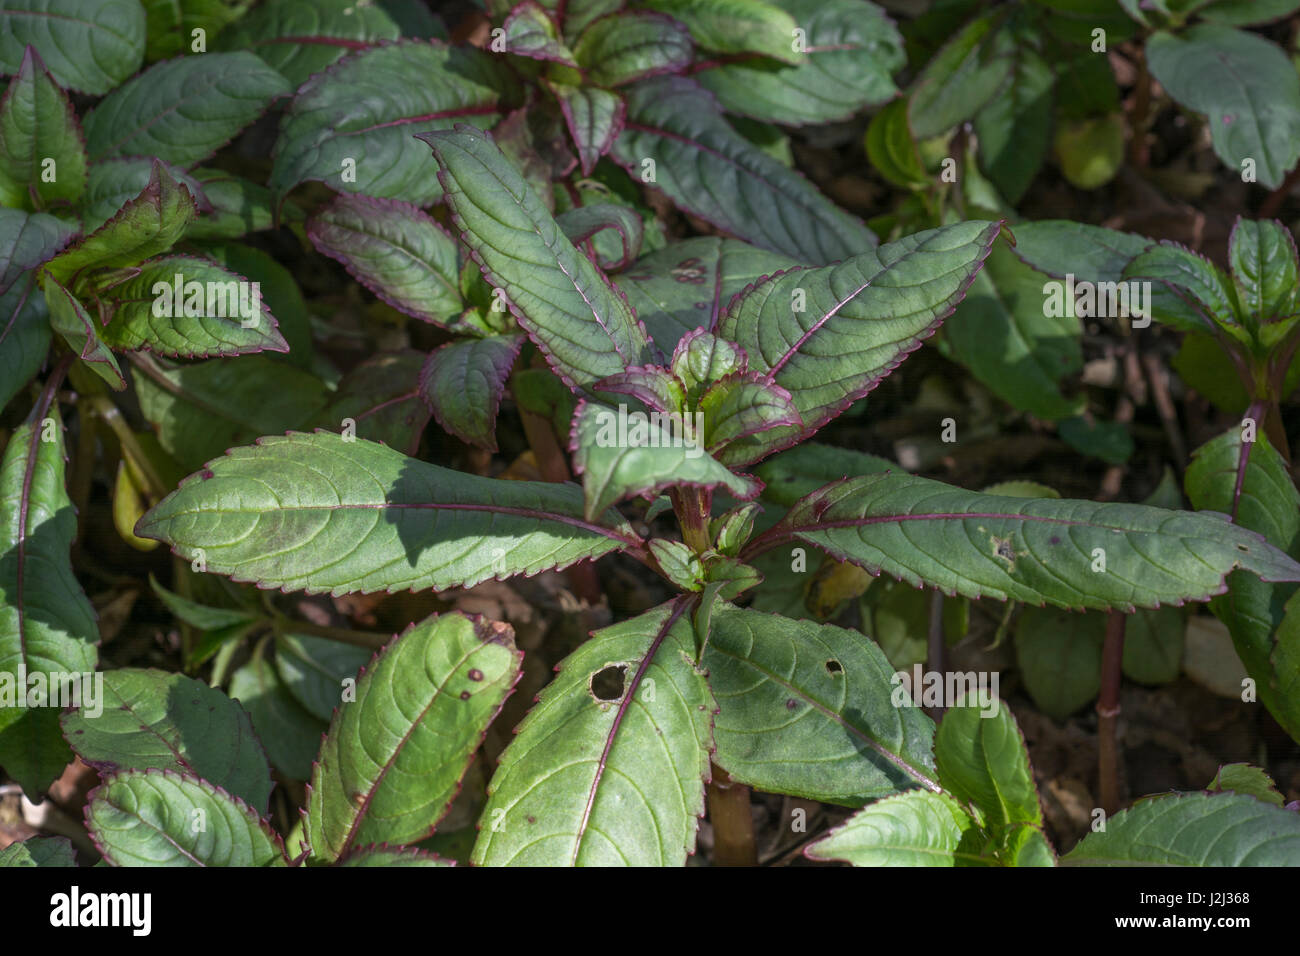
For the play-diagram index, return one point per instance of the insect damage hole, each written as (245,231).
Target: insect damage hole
(607,684)
(834,667)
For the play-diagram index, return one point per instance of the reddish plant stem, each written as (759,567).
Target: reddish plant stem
(691,505)
(733,823)
(1108,710)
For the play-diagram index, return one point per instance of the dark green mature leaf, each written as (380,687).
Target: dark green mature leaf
(24,337)
(859,319)
(300,37)
(1246,86)
(380,400)
(112,183)
(594,118)
(170,24)
(963,77)
(912,829)
(394,757)
(623,224)
(290,735)
(1192,294)
(1033,550)
(852,48)
(150,718)
(183,110)
(736,26)
(200,410)
(713,172)
(149,224)
(892,150)
(321,513)
(982,761)
(621,453)
(351,126)
(1264,270)
(314,669)
(1187,829)
(163,818)
(394,249)
(631,46)
(38,127)
(808,466)
(47,627)
(69,318)
(89,45)
(393,856)
(238,206)
(582,325)
(1015,129)
(1003,334)
(1060,247)
(812,710)
(38,851)
(1246,12)
(609,767)
(1058,654)
(159,310)
(463,383)
(686,285)
(27,240)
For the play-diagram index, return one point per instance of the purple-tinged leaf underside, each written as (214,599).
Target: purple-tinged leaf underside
(463,383)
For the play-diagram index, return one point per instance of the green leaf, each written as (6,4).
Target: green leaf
(736,26)
(620,453)
(47,627)
(394,249)
(852,48)
(200,410)
(183,110)
(298,38)
(69,318)
(711,171)
(685,286)
(463,383)
(359,117)
(1109,441)
(394,757)
(530,31)
(859,320)
(238,206)
(609,766)
(1264,270)
(1267,502)
(160,310)
(170,24)
(982,761)
(280,293)
(962,77)
(314,669)
(1196,296)
(892,150)
(812,710)
(290,735)
(163,818)
(147,225)
(24,337)
(112,183)
(38,127)
(1060,247)
(1245,779)
(346,516)
(741,405)
(1247,12)
(38,851)
(621,224)
(27,240)
(808,466)
(582,325)
(594,118)
(1058,654)
(1015,129)
(1024,549)
(382,398)
(1153,645)
(1003,333)
(392,856)
(202,616)
(153,719)
(630,46)
(89,45)
(1246,86)
(912,829)
(1192,829)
